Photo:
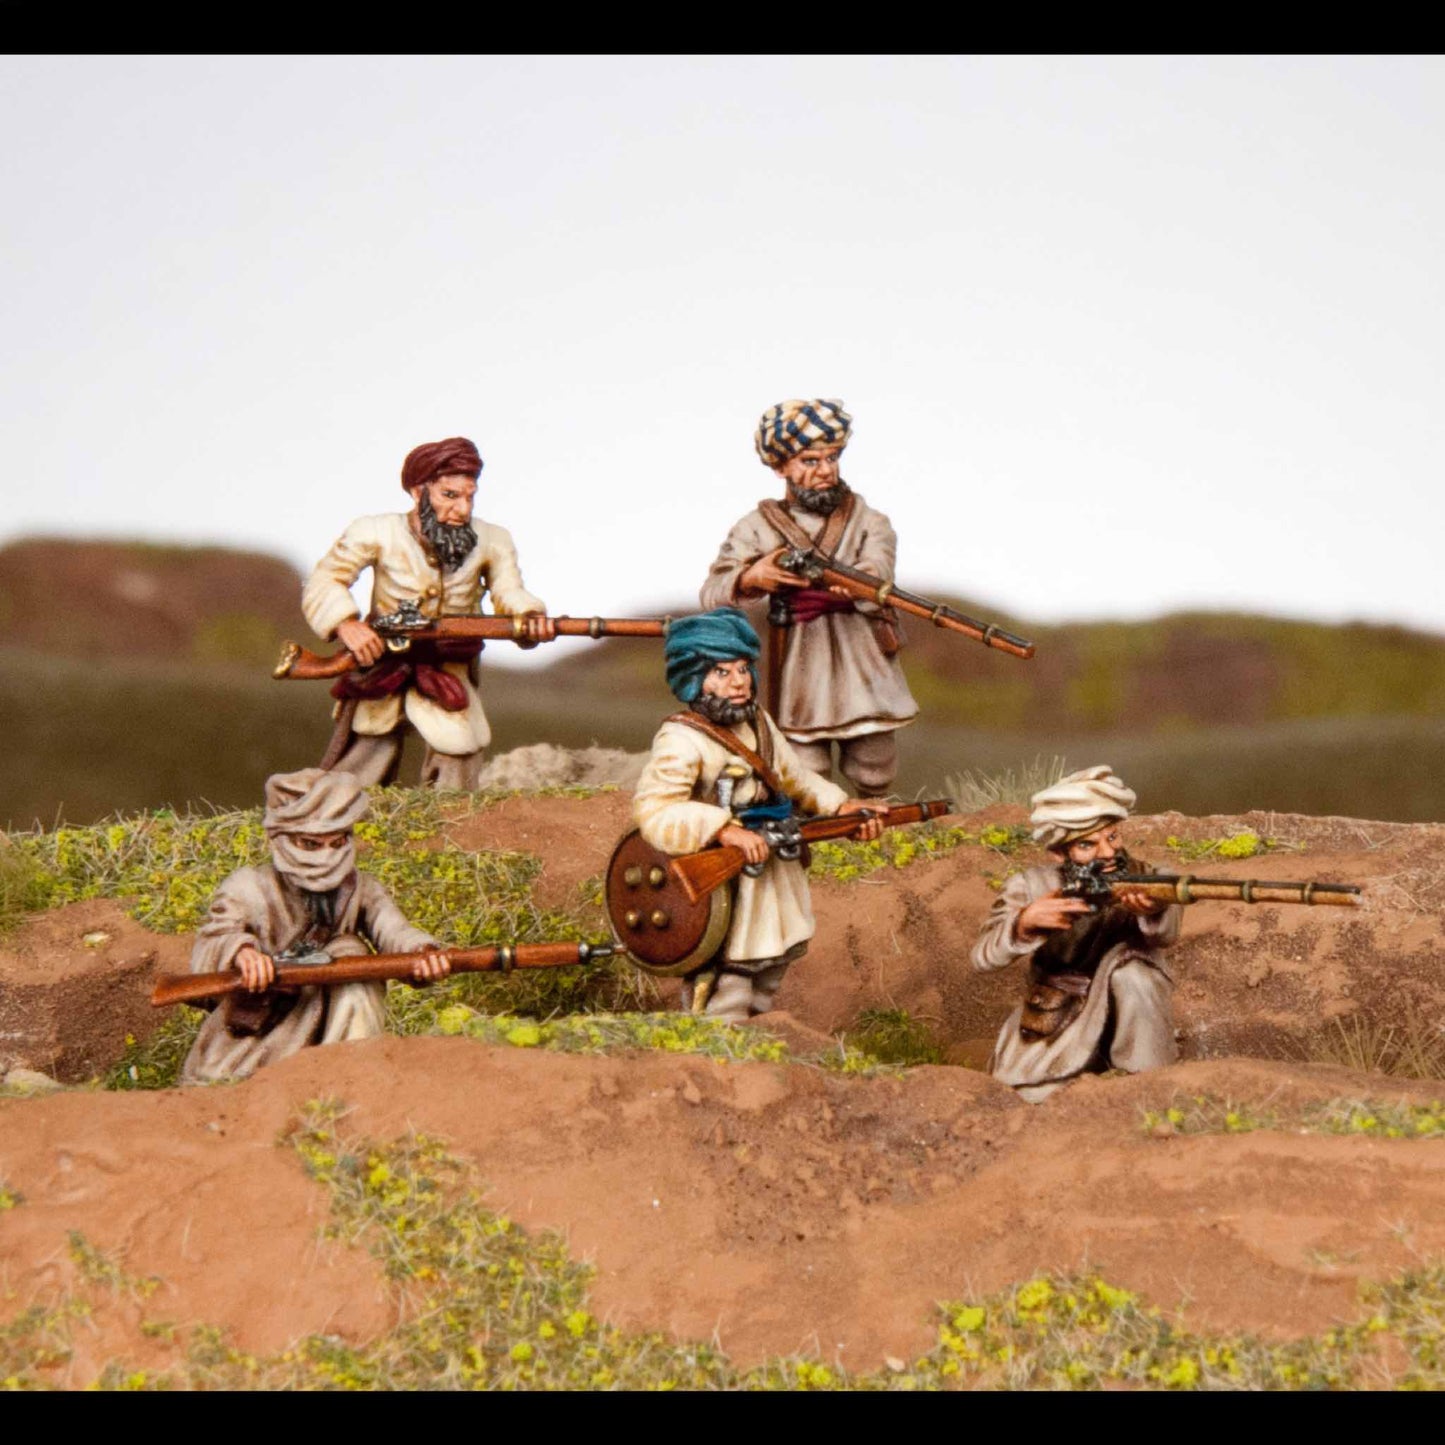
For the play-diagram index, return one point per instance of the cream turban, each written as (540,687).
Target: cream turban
(312,801)
(1078,804)
(793,426)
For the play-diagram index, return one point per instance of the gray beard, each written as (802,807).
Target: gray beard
(453,545)
(822,501)
(726,714)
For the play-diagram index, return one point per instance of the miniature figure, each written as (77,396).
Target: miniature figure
(833,670)
(437,558)
(1098,997)
(308,905)
(720,772)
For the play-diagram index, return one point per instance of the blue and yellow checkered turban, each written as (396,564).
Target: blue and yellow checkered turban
(697,643)
(793,426)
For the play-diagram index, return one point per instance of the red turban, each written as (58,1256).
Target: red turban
(455,456)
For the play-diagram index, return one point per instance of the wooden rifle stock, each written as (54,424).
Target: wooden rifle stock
(375,968)
(701,873)
(302,665)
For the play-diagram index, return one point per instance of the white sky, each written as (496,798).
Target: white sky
(1118,335)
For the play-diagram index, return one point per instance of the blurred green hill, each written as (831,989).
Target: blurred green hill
(137,676)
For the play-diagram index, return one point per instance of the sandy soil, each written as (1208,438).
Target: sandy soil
(782,1207)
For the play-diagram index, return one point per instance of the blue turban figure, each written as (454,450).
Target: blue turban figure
(696,644)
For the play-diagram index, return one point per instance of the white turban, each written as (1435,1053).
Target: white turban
(1077,804)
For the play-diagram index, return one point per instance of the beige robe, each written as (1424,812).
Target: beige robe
(404,570)
(260,908)
(676,811)
(1130,991)
(836,682)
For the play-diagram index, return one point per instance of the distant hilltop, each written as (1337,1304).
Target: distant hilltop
(133,600)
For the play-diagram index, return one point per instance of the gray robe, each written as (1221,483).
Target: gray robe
(836,681)
(1128,1007)
(260,907)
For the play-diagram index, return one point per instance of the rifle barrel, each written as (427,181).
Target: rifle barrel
(1183,888)
(171,988)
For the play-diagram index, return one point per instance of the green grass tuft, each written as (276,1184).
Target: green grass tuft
(1205,1114)
(894,1036)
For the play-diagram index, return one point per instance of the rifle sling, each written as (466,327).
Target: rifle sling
(762,766)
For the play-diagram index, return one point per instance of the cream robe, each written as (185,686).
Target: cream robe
(403,570)
(1133,973)
(672,808)
(836,681)
(261,908)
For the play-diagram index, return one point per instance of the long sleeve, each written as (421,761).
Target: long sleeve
(747,541)
(504,575)
(229,924)
(997,945)
(326,599)
(812,792)
(1159,930)
(663,807)
(384,923)
(877,553)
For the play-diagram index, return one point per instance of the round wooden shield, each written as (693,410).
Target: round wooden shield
(662,933)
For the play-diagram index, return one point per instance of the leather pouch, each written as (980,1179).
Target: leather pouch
(888,632)
(1047,1010)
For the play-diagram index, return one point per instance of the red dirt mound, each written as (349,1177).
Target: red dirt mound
(782,1207)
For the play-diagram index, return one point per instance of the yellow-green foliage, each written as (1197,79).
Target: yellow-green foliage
(1205,1114)
(898,847)
(894,1036)
(24,887)
(156,1063)
(491,1306)
(1238,845)
(9,1197)
(674,1033)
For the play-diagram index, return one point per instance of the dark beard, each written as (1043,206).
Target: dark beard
(453,545)
(726,714)
(823,501)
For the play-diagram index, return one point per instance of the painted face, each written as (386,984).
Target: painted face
(451,499)
(814,469)
(321,842)
(1102,846)
(731,681)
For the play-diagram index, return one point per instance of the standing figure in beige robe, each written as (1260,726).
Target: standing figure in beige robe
(695,789)
(438,557)
(310,898)
(840,681)
(1098,995)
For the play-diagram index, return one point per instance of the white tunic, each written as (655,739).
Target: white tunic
(675,811)
(404,570)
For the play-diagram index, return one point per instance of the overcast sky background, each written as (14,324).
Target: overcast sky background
(1119,336)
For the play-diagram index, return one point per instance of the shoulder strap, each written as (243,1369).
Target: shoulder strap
(787,527)
(734,744)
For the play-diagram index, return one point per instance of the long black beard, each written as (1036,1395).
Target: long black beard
(453,545)
(1073,872)
(822,500)
(726,714)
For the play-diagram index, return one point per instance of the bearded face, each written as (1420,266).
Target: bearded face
(822,500)
(453,543)
(724,712)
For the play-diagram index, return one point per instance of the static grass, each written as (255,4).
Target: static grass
(845,862)
(1240,845)
(972,791)
(1207,1114)
(1415,1050)
(485,1304)
(894,1036)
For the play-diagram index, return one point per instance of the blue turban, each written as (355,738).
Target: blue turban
(697,643)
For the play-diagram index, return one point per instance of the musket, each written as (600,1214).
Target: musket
(703,872)
(375,968)
(865,587)
(1098,888)
(409,624)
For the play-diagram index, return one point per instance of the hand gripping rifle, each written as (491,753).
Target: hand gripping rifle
(702,873)
(326,972)
(864,587)
(409,624)
(1097,888)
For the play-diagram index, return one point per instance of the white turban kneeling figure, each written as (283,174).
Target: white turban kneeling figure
(1098,996)
(309,899)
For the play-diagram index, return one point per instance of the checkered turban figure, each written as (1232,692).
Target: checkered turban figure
(792,426)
